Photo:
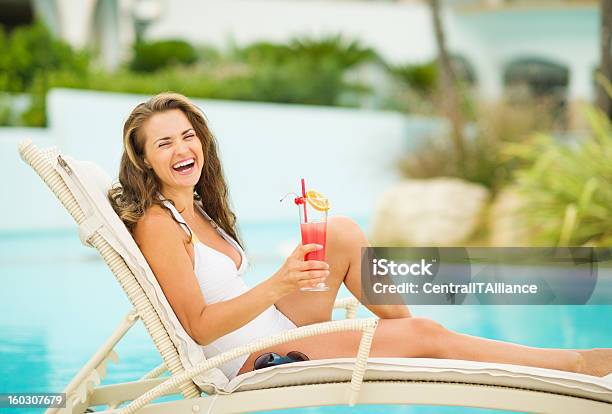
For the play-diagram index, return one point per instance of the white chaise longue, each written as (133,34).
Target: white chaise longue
(81,187)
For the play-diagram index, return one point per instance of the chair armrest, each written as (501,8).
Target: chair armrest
(155,372)
(349,304)
(367,326)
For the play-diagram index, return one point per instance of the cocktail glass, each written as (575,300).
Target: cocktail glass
(313,226)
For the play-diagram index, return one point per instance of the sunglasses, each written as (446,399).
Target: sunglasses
(271,359)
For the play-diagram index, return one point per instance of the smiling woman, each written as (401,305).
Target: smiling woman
(173,158)
(178,130)
(173,197)
(171,185)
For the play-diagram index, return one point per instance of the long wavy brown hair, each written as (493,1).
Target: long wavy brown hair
(138,186)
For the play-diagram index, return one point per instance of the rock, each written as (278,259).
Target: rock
(506,228)
(430,212)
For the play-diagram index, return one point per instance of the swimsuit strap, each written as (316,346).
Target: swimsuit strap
(215,226)
(191,233)
(183,223)
(180,219)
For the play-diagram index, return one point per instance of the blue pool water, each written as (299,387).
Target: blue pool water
(60,302)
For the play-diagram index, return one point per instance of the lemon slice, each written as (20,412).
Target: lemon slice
(317,200)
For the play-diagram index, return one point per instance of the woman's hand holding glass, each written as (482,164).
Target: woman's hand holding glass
(297,273)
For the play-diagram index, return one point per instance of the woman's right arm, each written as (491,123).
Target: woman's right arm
(163,244)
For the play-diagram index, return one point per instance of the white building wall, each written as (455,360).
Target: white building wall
(564,35)
(401,32)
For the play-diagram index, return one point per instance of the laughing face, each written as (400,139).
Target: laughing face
(173,150)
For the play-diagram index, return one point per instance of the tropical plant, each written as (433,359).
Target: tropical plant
(567,186)
(422,78)
(347,53)
(153,56)
(483,160)
(29,57)
(190,81)
(31,53)
(306,70)
(5,109)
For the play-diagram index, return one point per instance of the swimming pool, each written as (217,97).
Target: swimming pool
(59,302)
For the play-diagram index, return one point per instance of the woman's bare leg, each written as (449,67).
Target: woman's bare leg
(344,242)
(397,334)
(424,338)
(347,240)
(597,361)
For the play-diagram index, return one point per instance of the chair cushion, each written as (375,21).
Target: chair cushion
(426,369)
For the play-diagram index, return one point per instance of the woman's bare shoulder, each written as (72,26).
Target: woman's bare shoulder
(156,223)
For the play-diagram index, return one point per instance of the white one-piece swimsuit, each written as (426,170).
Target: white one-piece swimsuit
(219,281)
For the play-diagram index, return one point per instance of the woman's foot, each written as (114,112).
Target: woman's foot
(596,362)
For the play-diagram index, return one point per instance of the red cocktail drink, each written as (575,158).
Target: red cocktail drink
(313,209)
(314,233)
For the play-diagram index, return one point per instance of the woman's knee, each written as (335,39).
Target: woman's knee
(342,223)
(344,242)
(424,326)
(427,333)
(344,229)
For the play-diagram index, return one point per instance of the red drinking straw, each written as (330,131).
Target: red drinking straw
(304,195)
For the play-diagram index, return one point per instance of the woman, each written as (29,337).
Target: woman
(173,198)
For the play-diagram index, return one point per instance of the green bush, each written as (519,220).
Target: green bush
(29,57)
(567,186)
(417,89)
(304,71)
(6,113)
(299,81)
(188,81)
(307,70)
(5,61)
(153,56)
(31,52)
(325,63)
(267,84)
(344,53)
(485,159)
(262,53)
(208,55)
(422,78)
